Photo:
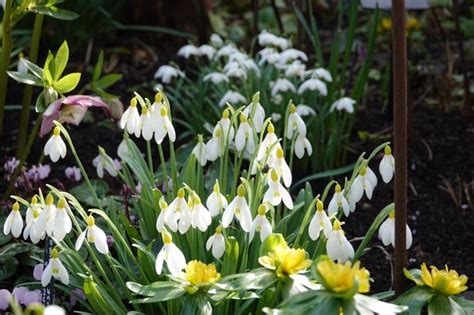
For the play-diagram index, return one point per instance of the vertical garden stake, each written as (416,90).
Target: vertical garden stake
(400,138)
(47,293)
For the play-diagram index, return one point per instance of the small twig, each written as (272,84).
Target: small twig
(428,148)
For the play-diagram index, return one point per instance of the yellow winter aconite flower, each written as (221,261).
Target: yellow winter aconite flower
(198,273)
(445,281)
(285,261)
(341,278)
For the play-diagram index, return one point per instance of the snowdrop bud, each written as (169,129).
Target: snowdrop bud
(14,221)
(256,98)
(241,190)
(387,165)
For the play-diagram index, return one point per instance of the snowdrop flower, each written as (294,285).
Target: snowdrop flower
(217,243)
(313,85)
(131,119)
(73,173)
(250,65)
(261,224)
(171,254)
(233,98)
(179,211)
(166,73)
(321,73)
(164,127)
(282,85)
(54,269)
(55,147)
(22,67)
(161,220)
(216,201)
(279,164)
(216,40)
(292,54)
(54,310)
(226,126)
(147,124)
(276,193)
(305,110)
(122,149)
(345,103)
(244,138)
(255,111)
(103,161)
(33,230)
(14,221)
(276,116)
(338,247)
(302,144)
(387,165)
(60,224)
(295,69)
(320,221)
(233,70)
(216,78)
(387,232)
(207,50)
(94,235)
(269,55)
(240,209)
(269,144)
(295,122)
(199,151)
(201,218)
(46,217)
(268,39)
(188,51)
(338,201)
(364,182)
(215,146)
(226,51)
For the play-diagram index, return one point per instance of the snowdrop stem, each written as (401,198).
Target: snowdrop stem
(165,172)
(305,221)
(285,127)
(174,171)
(150,159)
(237,166)
(118,276)
(292,152)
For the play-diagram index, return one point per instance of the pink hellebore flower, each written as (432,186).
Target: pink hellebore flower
(71,110)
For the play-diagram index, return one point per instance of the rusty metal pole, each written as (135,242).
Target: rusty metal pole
(399,48)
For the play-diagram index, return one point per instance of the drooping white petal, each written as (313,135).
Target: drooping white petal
(46,276)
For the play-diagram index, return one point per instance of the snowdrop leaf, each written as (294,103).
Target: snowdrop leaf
(83,194)
(156,292)
(231,256)
(55,12)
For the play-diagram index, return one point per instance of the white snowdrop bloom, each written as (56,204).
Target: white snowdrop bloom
(295,122)
(54,269)
(320,221)
(269,145)
(261,224)
(279,164)
(292,54)
(364,182)
(321,73)
(147,124)
(281,43)
(171,254)
(14,222)
(236,72)
(161,220)
(305,110)
(131,119)
(22,67)
(46,217)
(256,112)
(226,51)
(60,224)
(238,57)
(101,162)
(216,40)
(188,51)
(250,65)
(387,165)
(201,218)
(244,138)
(233,98)
(295,70)
(302,144)
(166,73)
(94,235)
(345,103)
(179,210)
(34,228)
(122,149)
(338,247)
(240,209)
(338,201)
(387,232)
(226,125)
(282,85)
(266,38)
(216,201)
(275,116)
(216,78)
(313,85)
(276,193)
(164,127)
(217,243)
(215,146)
(54,310)
(269,56)
(199,151)
(55,147)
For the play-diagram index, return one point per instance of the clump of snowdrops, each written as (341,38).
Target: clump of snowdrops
(215,228)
